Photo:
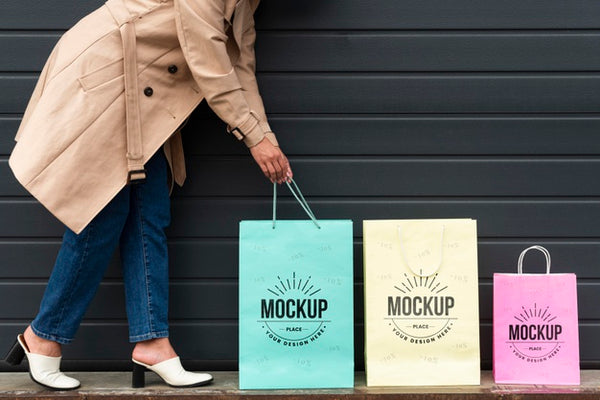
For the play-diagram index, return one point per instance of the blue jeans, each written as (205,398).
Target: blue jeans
(135,220)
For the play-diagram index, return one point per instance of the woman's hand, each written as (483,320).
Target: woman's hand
(271,160)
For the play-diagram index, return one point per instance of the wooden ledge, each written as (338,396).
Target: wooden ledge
(116,385)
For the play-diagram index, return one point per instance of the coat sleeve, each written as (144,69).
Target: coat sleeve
(201,33)
(245,68)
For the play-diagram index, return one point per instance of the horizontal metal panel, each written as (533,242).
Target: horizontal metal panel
(219,217)
(352,14)
(430,93)
(398,93)
(427,14)
(218,258)
(408,177)
(17,90)
(25,52)
(219,301)
(393,135)
(378,51)
(8,130)
(379,176)
(109,341)
(198,343)
(38,14)
(411,135)
(213,300)
(448,51)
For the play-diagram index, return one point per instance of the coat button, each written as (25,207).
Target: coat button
(148,91)
(172,69)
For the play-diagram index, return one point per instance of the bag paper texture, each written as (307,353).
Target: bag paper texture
(421,302)
(296,305)
(536,336)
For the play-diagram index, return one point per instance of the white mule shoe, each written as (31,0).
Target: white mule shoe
(171,372)
(43,370)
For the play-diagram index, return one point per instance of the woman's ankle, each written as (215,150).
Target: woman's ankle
(39,345)
(153,351)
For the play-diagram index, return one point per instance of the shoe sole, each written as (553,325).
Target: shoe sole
(56,389)
(203,383)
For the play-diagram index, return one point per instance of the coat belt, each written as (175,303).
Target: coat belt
(135,153)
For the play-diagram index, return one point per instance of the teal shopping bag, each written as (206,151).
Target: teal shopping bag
(296,303)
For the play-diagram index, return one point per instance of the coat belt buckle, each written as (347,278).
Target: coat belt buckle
(136,177)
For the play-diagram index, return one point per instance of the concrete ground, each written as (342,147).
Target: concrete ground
(117,385)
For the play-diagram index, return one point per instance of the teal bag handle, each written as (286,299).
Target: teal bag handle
(298,195)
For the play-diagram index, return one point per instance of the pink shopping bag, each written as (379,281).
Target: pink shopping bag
(536,336)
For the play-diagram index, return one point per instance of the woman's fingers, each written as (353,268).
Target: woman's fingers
(271,160)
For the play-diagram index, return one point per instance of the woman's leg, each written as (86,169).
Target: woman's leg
(144,255)
(79,268)
(146,275)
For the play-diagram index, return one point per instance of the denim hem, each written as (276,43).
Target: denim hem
(148,336)
(54,338)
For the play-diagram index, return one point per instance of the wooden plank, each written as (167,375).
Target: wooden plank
(353,14)
(219,217)
(388,176)
(398,93)
(218,258)
(378,51)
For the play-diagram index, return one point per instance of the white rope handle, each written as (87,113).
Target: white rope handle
(439,264)
(299,197)
(536,247)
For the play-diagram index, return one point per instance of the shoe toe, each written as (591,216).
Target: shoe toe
(66,382)
(198,379)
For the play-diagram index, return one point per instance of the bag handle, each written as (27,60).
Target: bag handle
(298,195)
(411,267)
(536,247)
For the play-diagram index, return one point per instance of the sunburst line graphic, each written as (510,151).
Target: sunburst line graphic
(410,284)
(433,280)
(306,283)
(282,284)
(285,285)
(535,312)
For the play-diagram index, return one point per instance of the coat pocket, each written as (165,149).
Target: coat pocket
(107,73)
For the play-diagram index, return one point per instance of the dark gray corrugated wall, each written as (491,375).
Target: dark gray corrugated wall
(387,109)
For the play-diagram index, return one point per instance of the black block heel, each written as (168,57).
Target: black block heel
(137,377)
(15,355)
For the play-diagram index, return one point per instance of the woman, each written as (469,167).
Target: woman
(99,141)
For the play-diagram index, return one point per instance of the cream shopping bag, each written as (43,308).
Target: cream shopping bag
(421,302)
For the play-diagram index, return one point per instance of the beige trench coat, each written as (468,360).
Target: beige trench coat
(89,121)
